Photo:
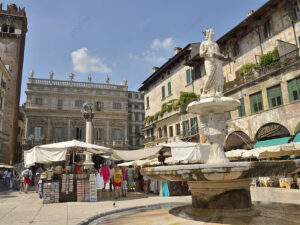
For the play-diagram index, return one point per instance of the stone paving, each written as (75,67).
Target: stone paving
(22,209)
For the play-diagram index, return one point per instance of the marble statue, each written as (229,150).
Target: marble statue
(124,82)
(209,50)
(51,75)
(71,76)
(87,111)
(90,78)
(31,73)
(107,79)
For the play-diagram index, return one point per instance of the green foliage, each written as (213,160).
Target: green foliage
(246,69)
(229,84)
(269,59)
(186,98)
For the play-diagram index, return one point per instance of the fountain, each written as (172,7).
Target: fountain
(220,189)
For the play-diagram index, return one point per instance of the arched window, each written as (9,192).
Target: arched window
(4,28)
(159,133)
(11,29)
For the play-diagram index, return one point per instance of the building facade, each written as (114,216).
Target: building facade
(264,74)
(53,111)
(167,92)
(13,28)
(4,78)
(136,116)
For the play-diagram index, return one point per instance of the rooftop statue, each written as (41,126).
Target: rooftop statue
(210,51)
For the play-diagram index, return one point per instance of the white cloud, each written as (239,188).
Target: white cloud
(84,63)
(152,57)
(162,44)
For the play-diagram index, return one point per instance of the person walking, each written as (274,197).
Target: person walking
(27,175)
(124,181)
(117,181)
(111,172)
(7,180)
(130,178)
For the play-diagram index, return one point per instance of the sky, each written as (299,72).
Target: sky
(123,39)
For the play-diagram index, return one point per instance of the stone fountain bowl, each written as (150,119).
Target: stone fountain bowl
(222,188)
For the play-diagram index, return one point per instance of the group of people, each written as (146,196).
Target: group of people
(6,176)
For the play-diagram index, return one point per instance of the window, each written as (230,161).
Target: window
(169,88)
(148,133)
(129,95)
(142,96)
(137,96)
(129,106)
(116,134)
(11,29)
(236,49)
(274,96)
(159,133)
(228,116)
(79,133)
(99,133)
(117,105)
(241,108)
(194,126)
(170,131)
(163,92)
(137,129)
(147,101)
(99,106)
(3,83)
(38,101)
(79,103)
(58,133)
(136,115)
(188,76)
(256,102)
(59,103)
(142,106)
(165,131)
(294,89)
(37,133)
(177,128)
(4,28)
(267,29)
(186,128)
(198,72)
(136,106)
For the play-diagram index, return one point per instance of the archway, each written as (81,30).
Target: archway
(270,131)
(238,140)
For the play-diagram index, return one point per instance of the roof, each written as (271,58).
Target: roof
(165,66)
(4,70)
(256,15)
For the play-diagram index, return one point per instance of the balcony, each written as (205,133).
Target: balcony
(259,73)
(149,139)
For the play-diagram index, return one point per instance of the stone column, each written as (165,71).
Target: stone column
(88,115)
(107,132)
(126,132)
(49,136)
(26,127)
(69,129)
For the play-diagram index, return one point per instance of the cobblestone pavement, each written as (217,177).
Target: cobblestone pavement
(22,209)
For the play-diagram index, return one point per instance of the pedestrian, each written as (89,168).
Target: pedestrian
(8,176)
(124,181)
(21,183)
(27,175)
(111,172)
(104,172)
(4,176)
(130,178)
(38,173)
(117,181)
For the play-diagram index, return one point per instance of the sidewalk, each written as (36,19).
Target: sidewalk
(24,209)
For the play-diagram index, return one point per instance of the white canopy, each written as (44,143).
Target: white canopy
(57,152)
(188,151)
(136,154)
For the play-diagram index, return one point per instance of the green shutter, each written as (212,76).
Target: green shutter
(196,125)
(188,76)
(193,74)
(163,91)
(183,128)
(293,86)
(256,99)
(169,88)
(192,126)
(242,108)
(228,116)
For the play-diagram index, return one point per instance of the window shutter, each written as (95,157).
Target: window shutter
(193,74)
(188,76)
(252,102)
(292,86)
(169,88)
(183,128)
(192,126)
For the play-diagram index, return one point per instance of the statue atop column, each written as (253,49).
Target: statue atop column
(210,51)
(107,79)
(90,78)
(87,111)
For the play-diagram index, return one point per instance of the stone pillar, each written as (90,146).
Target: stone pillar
(88,115)
(126,132)
(69,129)
(265,98)
(49,136)
(26,127)
(107,131)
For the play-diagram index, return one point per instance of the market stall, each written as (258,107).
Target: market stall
(66,178)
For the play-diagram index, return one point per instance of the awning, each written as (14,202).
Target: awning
(136,154)
(6,166)
(272,142)
(297,138)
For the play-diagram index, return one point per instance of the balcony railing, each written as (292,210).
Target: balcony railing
(68,83)
(259,72)
(149,139)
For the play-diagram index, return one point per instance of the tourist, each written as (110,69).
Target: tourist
(21,183)
(7,180)
(38,173)
(111,172)
(117,181)
(27,175)
(130,178)
(104,172)
(124,181)
(4,176)
(146,184)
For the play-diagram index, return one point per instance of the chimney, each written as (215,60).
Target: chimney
(155,68)
(176,50)
(250,12)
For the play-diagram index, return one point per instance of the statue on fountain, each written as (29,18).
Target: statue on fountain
(210,51)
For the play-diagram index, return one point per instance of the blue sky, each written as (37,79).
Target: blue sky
(123,39)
